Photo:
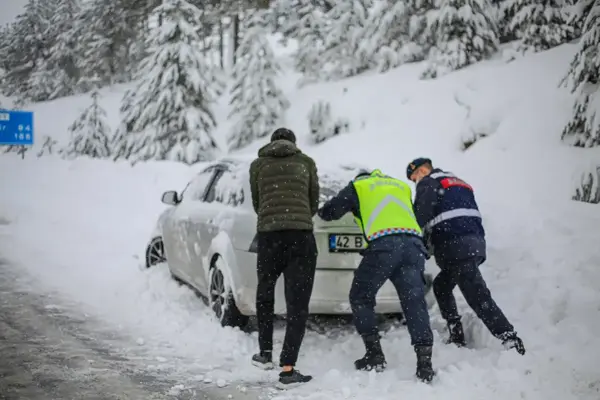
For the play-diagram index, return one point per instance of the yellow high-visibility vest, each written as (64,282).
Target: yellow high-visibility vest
(385,206)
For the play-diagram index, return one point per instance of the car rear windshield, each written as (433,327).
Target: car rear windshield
(334,180)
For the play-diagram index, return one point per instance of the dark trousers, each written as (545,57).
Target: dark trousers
(293,253)
(401,259)
(466,275)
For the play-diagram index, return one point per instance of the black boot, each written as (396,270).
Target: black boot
(424,368)
(374,358)
(510,340)
(457,335)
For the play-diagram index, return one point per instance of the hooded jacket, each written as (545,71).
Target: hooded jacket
(285,188)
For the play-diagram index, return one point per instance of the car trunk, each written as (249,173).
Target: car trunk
(347,233)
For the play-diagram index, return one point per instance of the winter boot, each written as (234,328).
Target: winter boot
(457,335)
(374,358)
(510,340)
(424,368)
(293,378)
(263,360)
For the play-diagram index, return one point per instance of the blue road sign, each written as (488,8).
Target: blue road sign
(16,127)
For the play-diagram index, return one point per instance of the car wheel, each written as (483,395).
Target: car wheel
(155,252)
(220,297)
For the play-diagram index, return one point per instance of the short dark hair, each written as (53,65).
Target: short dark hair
(283,134)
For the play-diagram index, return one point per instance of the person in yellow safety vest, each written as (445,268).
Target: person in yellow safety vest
(382,207)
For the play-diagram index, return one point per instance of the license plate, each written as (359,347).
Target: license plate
(346,243)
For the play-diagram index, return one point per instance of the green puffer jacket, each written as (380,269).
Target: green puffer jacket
(285,188)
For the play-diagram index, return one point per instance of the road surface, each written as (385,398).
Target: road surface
(49,351)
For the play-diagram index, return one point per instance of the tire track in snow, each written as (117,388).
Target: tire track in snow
(49,352)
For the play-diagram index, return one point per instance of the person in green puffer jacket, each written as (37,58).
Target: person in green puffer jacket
(285,195)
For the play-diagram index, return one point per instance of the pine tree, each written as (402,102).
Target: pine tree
(321,124)
(168,116)
(386,39)
(341,57)
(583,77)
(466,34)
(90,133)
(17,148)
(578,10)
(541,24)
(310,32)
(27,48)
(423,26)
(257,103)
(47,146)
(61,62)
(106,36)
(588,188)
(505,11)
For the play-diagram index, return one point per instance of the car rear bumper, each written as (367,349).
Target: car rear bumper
(330,295)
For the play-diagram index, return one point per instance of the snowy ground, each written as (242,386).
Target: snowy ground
(80,228)
(52,349)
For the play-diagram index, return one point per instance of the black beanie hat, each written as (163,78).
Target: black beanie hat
(283,134)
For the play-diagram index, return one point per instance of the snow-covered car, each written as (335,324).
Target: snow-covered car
(207,238)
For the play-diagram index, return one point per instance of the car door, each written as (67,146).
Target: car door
(179,245)
(201,233)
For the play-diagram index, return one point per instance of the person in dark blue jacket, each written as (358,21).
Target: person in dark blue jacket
(448,214)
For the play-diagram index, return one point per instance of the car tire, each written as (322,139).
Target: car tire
(155,252)
(220,297)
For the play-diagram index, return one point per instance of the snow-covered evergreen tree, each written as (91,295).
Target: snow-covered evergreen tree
(61,62)
(168,115)
(505,11)
(588,188)
(258,105)
(27,47)
(423,26)
(583,130)
(106,38)
(466,34)
(321,124)
(309,31)
(48,146)
(386,40)
(90,133)
(17,148)
(341,57)
(578,10)
(540,24)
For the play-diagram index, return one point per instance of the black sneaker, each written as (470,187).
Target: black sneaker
(293,378)
(457,335)
(263,360)
(510,340)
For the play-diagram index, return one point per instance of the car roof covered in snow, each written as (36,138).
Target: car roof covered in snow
(332,177)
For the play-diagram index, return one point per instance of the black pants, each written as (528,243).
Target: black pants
(466,275)
(293,253)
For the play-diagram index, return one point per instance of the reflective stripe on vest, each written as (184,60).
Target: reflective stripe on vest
(445,216)
(385,206)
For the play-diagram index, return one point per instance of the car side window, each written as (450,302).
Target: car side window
(226,189)
(197,187)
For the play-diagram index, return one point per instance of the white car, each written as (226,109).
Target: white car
(207,239)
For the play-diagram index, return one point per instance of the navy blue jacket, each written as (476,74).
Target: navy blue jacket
(447,212)
(346,201)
